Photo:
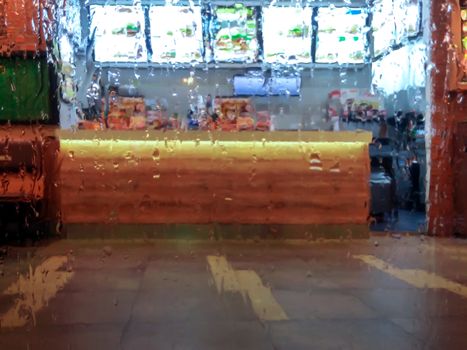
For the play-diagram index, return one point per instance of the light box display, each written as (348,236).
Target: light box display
(119,33)
(341,35)
(407,19)
(383,27)
(287,34)
(234,31)
(176,34)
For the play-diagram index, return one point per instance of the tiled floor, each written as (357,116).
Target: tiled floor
(407,221)
(168,295)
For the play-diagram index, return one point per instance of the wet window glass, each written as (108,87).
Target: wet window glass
(233,175)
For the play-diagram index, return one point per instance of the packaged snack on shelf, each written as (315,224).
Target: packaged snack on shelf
(89,125)
(118,123)
(235,114)
(137,123)
(173,123)
(161,120)
(263,122)
(245,122)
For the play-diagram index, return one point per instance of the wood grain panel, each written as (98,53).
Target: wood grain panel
(230,182)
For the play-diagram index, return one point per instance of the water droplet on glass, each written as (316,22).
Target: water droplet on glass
(156,155)
(128,155)
(107,250)
(315,162)
(335,168)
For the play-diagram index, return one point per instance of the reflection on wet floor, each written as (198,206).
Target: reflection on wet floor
(415,277)
(249,284)
(405,293)
(33,290)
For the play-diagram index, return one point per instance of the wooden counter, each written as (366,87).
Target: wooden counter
(160,177)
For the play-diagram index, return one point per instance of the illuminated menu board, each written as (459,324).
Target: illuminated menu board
(176,34)
(383,26)
(464,39)
(407,15)
(341,35)
(234,31)
(287,34)
(119,35)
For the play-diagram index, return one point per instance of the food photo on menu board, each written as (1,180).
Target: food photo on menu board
(234,29)
(341,35)
(383,27)
(119,33)
(287,34)
(407,19)
(176,34)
